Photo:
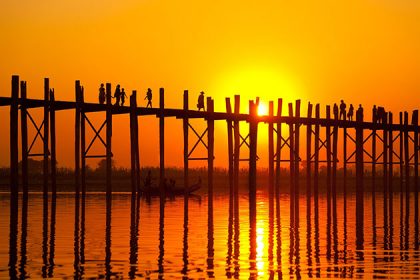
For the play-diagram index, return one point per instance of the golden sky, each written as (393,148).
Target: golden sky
(362,51)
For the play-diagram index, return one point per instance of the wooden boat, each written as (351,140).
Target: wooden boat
(170,189)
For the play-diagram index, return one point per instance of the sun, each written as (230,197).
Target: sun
(262,109)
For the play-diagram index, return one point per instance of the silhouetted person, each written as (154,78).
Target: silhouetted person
(149,98)
(123,96)
(374,114)
(200,102)
(359,113)
(102,94)
(117,95)
(381,114)
(342,110)
(335,111)
(350,113)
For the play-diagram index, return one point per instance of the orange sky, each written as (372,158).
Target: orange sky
(319,51)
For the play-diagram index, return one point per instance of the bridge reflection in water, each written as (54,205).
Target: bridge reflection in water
(130,237)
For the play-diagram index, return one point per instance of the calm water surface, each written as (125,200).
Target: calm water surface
(139,238)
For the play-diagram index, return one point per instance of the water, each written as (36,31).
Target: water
(102,242)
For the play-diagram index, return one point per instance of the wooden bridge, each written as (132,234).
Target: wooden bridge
(321,134)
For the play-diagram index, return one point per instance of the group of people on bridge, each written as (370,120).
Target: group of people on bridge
(340,113)
(120,97)
(378,113)
(343,114)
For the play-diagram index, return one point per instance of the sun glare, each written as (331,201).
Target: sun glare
(262,109)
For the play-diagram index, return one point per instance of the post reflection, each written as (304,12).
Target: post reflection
(309,243)
(23,239)
(229,243)
(236,238)
(271,270)
(108,266)
(185,240)
(279,248)
(252,241)
(45,237)
(134,223)
(335,244)
(316,240)
(345,244)
(161,268)
(52,236)
(210,244)
(76,263)
(13,236)
(82,234)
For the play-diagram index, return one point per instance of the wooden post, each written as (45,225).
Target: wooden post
(373,187)
(46,133)
(24,132)
(236,155)
(415,122)
(359,179)
(186,149)
(271,150)
(292,167)
(385,167)
(345,170)
(334,156)
(230,150)
(297,162)
(77,141)
(308,162)
(83,139)
(407,163)
(401,157)
(316,160)
(328,148)
(391,160)
(278,146)
(14,158)
(53,145)
(162,141)
(108,143)
(136,145)
(210,151)
(253,132)
(133,136)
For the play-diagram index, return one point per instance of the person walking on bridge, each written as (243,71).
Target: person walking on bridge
(350,113)
(102,94)
(117,95)
(200,102)
(342,110)
(149,98)
(123,96)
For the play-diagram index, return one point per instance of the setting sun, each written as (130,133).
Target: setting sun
(262,109)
